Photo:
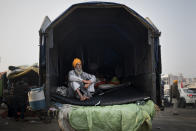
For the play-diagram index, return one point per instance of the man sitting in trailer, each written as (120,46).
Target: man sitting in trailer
(81,84)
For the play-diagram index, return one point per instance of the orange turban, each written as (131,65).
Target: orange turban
(76,61)
(175,81)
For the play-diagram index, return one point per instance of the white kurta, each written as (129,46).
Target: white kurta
(75,80)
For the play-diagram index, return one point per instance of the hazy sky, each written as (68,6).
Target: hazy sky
(20,21)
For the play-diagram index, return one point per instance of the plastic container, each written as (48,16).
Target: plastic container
(36,99)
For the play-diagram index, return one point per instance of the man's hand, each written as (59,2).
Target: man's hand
(86,86)
(86,81)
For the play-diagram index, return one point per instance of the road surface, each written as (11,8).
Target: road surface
(163,121)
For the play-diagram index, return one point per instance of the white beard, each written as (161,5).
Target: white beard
(78,71)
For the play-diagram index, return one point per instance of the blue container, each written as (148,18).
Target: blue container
(36,99)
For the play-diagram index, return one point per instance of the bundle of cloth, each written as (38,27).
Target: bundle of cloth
(15,72)
(127,117)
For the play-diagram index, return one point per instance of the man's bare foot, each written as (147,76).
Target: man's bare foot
(82,98)
(86,97)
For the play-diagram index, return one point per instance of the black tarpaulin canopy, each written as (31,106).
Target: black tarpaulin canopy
(110,39)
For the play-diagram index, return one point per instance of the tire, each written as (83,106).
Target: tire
(182,103)
(166,102)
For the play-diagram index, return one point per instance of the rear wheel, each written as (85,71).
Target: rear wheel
(182,103)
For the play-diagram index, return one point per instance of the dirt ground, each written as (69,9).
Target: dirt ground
(163,121)
(30,123)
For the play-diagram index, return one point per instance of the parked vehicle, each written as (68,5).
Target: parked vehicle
(187,96)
